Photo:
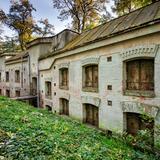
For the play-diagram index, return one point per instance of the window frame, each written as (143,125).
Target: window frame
(61,78)
(92,88)
(7,76)
(17,76)
(48,89)
(138,92)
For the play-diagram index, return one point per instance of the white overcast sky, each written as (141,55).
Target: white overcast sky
(44,9)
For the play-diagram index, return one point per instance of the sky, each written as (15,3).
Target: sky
(44,9)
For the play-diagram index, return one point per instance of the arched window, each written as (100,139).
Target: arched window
(140,76)
(48,89)
(17,76)
(90,78)
(63,76)
(64,106)
(137,122)
(91,114)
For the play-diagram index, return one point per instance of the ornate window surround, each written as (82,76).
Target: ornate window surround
(87,62)
(91,100)
(63,65)
(137,52)
(60,67)
(90,61)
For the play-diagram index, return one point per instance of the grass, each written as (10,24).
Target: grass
(29,133)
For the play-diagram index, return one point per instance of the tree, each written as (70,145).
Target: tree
(126,6)
(46,29)
(83,13)
(9,44)
(20,19)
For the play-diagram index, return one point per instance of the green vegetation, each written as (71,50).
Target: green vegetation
(29,133)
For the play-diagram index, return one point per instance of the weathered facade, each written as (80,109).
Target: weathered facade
(107,76)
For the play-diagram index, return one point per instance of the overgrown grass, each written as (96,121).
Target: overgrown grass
(29,133)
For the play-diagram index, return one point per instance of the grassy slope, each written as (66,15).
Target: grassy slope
(37,134)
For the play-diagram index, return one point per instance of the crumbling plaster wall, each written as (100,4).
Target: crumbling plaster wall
(110,73)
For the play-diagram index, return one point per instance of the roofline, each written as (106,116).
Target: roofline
(15,59)
(29,44)
(145,31)
(103,38)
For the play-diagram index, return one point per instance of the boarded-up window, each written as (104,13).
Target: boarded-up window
(140,74)
(8,93)
(91,76)
(17,76)
(64,78)
(91,114)
(135,122)
(64,108)
(48,91)
(7,76)
(18,93)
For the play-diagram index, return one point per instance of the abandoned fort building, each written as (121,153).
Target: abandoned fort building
(108,76)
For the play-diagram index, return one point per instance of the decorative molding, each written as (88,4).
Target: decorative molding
(91,60)
(63,65)
(48,103)
(64,95)
(18,88)
(34,75)
(136,107)
(91,100)
(139,51)
(48,79)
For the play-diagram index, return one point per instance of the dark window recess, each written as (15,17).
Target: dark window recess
(109,87)
(136,122)
(55,93)
(54,84)
(64,78)
(18,93)
(48,91)
(109,103)
(49,108)
(7,76)
(0,77)
(54,67)
(0,91)
(90,77)
(92,116)
(8,93)
(64,106)
(17,76)
(109,59)
(140,75)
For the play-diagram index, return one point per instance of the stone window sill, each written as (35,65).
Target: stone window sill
(137,93)
(89,89)
(64,87)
